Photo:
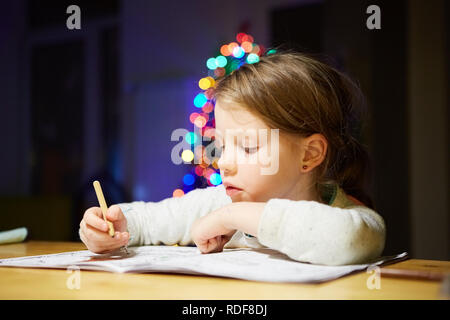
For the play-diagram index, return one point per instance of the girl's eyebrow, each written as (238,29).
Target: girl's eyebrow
(237,133)
(240,136)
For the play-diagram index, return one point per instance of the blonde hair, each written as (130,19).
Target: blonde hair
(301,95)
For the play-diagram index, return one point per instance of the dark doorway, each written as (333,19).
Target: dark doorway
(57,117)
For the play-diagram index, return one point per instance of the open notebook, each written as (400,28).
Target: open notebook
(243,263)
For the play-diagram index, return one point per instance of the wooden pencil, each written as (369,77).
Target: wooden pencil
(103,206)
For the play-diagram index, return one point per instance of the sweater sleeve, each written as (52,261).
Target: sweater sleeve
(169,221)
(313,232)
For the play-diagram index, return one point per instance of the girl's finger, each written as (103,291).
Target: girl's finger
(203,245)
(212,245)
(91,246)
(114,213)
(87,242)
(103,239)
(94,210)
(82,237)
(96,222)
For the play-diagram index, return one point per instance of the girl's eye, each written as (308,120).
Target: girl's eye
(250,150)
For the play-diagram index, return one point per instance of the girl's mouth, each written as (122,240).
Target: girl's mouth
(231,191)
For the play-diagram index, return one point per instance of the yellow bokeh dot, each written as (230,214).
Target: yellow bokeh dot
(187,155)
(204,83)
(211,81)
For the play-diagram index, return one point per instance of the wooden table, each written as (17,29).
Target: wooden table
(26,283)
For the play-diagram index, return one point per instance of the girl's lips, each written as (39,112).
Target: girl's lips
(231,191)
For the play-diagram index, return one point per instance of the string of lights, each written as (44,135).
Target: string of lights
(231,56)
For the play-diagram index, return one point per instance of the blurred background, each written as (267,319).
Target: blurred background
(101,102)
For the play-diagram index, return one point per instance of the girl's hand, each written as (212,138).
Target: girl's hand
(94,230)
(210,233)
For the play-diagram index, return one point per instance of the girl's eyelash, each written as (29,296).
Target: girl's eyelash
(246,149)
(250,150)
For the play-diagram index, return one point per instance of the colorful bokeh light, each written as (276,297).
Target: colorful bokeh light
(178,193)
(215,179)
(191,138)
(229,57)
(204,83)
(225,51)
(193,116)
(211,63)
(208,107)
(200,100)
(187,155)
(200,121)
(247,46)
(221,61)
(239,36)
(238,52)
(231,46)
(252,58)
(188,179)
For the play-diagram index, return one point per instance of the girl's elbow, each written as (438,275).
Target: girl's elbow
(364,246)
(359,247)
(366,241)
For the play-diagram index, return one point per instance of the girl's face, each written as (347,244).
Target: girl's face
(262,164)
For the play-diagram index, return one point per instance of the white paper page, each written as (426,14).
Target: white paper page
(243,263)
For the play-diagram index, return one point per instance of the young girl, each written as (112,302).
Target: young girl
(313,208)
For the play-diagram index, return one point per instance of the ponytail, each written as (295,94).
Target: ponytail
(352,169)
(354,173)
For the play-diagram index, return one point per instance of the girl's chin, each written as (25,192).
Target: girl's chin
(241,197)
(238,197)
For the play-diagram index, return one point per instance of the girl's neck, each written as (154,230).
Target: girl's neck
(302,191)
(311,195)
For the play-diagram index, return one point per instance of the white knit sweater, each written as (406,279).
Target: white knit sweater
(307,231)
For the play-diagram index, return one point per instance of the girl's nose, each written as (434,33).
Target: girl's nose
(227,162)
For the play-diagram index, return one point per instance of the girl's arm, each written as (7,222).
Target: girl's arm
(169,221)
(306,231)
(317,233)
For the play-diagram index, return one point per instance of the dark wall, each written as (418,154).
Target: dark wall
(390,118)
(377,60)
